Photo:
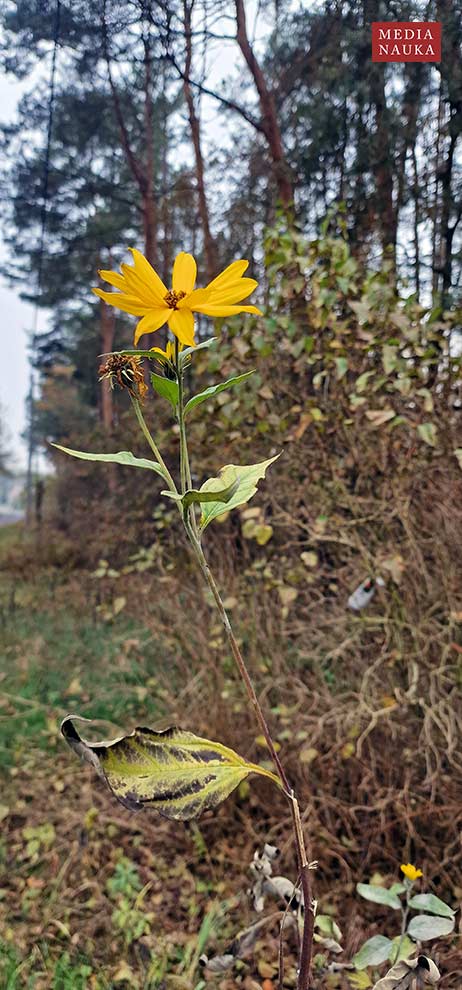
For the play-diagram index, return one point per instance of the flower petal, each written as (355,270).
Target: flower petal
(181,323)
(209,309)
(146,273)
(195,298)
(128,304)
(229,274)
(184,273)
(152,321)
(235,292)
(113,278)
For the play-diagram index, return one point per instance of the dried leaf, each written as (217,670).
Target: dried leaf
(174,771)
(380,416)
(401,975)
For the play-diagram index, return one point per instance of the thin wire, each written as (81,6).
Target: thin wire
(43,223)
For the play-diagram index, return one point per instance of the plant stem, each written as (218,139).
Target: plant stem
(152,444)
(185,470)
(302,861)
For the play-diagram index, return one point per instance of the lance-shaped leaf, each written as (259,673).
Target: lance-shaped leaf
(174,771)
(198,347)
(214,390)
(166,387)
(124,457)
(246,477)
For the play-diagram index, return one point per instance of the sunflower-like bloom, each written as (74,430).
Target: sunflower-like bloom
(410,871)
(143,293)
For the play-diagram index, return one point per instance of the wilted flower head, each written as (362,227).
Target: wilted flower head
(126,371)
(410,871)
(143,293)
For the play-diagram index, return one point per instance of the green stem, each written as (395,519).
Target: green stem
(185,469)
(152,444)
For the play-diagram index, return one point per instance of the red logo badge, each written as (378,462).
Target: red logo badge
(406,41)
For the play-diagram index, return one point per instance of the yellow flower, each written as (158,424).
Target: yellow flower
(143,293)
(410,871)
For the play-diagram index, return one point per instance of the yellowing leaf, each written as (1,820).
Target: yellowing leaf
(310,558)
(243,477)
(287,595)
(174,771)
(261,741)
(263,534)
(380,416)
(307,755)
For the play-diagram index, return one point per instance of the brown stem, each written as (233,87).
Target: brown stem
(302,861)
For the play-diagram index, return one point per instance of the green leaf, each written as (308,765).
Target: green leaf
(375,951)
(214,390)
(362,381)
(199,347)
(341,365)
(246,477)
(174,771)
(429,902)
(425,927)
(427,432)
(398,888)
(402,948)
(193,495)
(165,387)
(379,895)
(124,457)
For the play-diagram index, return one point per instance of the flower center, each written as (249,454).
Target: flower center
(172,298)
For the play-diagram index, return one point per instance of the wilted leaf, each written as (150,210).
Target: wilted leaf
(362,381)
(389,355)
(124,457)
(208,393)
(287,595)
(308,755)
(425,927)
(310,558)
(395,566)
(263,534)
(458,453)
(427,432)
(375,951)
(402,974)
(379,895)
(429,902)
(246,477)
(360,980)
(174,771)
(380,416)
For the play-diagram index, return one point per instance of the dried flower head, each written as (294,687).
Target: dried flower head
(125,371)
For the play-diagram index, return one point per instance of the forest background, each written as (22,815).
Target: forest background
(263,132)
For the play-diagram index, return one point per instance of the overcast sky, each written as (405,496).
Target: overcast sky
(16,321)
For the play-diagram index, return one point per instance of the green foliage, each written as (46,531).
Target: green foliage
(244,478)
(124,457)
(208,393)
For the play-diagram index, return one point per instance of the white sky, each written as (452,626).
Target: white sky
(16,320)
